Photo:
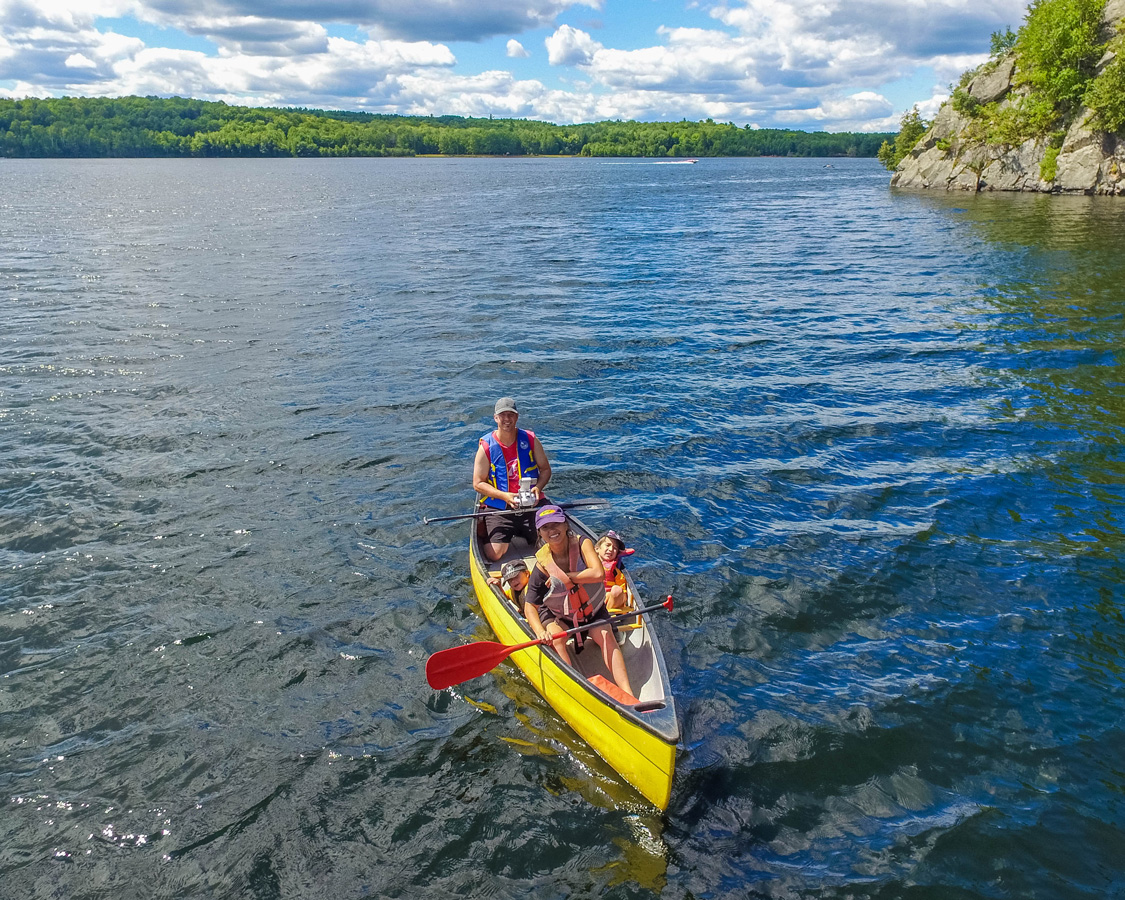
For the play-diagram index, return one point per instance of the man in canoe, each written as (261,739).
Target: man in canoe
(505,457)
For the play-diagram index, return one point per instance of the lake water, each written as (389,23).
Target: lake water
(871,441)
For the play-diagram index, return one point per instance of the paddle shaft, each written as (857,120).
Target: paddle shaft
(620,617)
(458,664)
(577,504)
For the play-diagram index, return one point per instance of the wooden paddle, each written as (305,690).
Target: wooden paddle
(457,664)
(576,504)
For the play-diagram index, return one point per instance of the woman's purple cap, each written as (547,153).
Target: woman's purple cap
(547,514)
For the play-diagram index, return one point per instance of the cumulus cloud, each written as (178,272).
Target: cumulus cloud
(516,50)
(796,63)
(571,47)
(861,111)
(260,61)
(858,106)
(929,108)
(489,93)
(256,36)
(840,34)
(50,47)
(61,15)
(347,75)
(80,61)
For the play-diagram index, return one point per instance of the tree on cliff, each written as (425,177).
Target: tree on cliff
(911,127)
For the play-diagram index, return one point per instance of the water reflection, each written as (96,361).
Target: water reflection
(1035,221)
(1051,319)
(567,765)
(1053,330)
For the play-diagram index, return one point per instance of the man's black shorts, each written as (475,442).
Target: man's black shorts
(500,529)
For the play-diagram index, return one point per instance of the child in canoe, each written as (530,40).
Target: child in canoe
(610,549)
(513,581)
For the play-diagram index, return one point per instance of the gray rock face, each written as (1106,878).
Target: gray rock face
(1112,17)
(1091,162)
(993,85)
(948,157)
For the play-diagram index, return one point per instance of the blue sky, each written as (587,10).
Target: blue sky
(835,65)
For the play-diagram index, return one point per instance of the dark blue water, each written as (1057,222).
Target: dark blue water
(871,441)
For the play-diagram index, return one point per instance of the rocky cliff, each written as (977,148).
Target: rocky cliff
(949,156)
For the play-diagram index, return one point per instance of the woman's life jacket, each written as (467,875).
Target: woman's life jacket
(575,604)
(498,467)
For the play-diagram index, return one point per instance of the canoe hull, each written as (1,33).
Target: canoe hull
(640,746)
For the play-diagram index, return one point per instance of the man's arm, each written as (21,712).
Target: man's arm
(544,466)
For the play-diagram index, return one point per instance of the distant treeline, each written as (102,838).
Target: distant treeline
(153,126)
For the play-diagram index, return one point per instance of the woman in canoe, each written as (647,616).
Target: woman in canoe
(567,588)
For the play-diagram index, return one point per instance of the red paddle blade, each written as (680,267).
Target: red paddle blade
(457,664)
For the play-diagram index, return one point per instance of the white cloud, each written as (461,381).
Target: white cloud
(796,63)
(929,108)
(20,90)
(255,36)
(516,50)
(862,105)
(571,47)
(57,50)
(61,15)
(862,111)
(347,75)
(50,47)
(927,26)
(489,93)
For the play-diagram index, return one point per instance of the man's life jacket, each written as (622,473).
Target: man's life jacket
(498,467)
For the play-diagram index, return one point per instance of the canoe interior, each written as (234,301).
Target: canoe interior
(639,646)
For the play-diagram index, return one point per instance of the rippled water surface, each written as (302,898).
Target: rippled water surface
(871,441)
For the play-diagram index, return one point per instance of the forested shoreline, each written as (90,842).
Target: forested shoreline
(179,127)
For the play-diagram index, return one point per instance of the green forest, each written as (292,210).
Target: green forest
(153,126)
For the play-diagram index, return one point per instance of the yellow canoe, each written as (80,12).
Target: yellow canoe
(639,741)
